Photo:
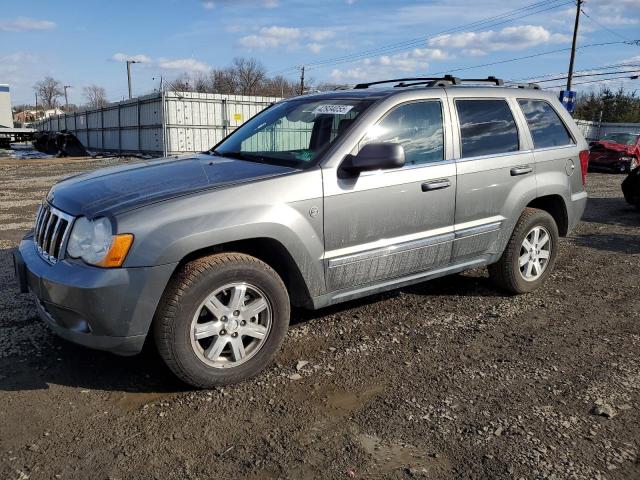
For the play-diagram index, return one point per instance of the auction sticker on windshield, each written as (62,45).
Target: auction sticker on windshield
(332,109)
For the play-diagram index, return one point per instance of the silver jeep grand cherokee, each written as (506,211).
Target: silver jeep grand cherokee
(316,200)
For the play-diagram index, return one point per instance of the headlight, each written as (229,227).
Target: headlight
(95,243)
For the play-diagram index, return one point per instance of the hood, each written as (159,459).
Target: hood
(117,189)
(631,150)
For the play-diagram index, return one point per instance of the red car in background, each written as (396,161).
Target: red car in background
(618,152)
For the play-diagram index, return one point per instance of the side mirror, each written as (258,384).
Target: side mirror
(375,156)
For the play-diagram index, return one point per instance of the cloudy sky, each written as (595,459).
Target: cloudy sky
(345,41)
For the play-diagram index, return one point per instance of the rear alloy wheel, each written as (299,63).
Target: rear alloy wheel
(222,319)
(530,254)
(535,252)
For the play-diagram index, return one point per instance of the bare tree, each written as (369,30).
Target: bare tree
(279,86)
(184,83)
(246,76)
(95,96)
(49,91)
(249,74)
(223,81)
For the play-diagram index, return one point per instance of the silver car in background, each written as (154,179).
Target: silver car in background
(316,200)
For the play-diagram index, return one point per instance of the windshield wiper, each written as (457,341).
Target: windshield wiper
(242,156)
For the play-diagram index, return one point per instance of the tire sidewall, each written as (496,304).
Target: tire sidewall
(539,219)
(207,282)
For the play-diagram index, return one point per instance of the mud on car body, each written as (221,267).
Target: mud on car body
(316,200)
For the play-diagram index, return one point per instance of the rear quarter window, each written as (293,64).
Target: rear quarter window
(546,127)
(486,127)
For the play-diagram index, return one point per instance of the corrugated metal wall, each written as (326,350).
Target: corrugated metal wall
(189,122)
(595,130)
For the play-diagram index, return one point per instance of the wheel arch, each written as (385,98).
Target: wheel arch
(270,251)
(555,206)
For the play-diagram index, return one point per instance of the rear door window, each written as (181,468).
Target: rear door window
(547,130)
(487,127)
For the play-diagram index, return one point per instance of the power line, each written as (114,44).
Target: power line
(407,44)
(538,78)
(526,57)
(589,75)
(631,77)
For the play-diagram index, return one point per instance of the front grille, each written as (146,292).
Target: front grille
(51,233)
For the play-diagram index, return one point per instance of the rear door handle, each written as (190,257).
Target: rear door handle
(436,185)
(521,170)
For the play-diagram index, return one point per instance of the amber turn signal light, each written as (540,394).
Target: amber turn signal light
(118,251)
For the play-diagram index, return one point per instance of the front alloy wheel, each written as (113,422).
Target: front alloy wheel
(222,319)
(231,325)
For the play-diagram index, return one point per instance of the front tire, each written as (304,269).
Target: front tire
(530,254)
(222,319)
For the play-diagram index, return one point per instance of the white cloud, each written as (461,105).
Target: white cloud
(22,24)
(290,37)
(208,5)
(122,57)
(21,70)
(320,35)
(615,12)
(390,65)
(270,37)
(182,64)
(315,47)
(509,38)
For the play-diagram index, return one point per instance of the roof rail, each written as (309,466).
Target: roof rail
(420,80)
(443,82)
(535,86)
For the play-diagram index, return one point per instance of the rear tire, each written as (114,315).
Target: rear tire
(221,320)
(525,264)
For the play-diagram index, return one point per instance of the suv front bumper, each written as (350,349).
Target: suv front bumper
(102,308)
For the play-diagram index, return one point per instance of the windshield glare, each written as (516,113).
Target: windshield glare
(293,133)
(621,138)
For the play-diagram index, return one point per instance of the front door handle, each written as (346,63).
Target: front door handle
(521,170)
(436,185)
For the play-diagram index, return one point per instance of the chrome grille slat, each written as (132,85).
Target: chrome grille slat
(53,240)
(51,232)
(38,221)
(46,240)
(45,219)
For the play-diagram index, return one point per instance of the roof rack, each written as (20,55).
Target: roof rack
(420,81)
(535,86)
(443,82)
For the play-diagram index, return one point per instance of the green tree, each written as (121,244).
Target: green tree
(617,107)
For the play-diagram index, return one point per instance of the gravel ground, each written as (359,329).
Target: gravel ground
(446,379)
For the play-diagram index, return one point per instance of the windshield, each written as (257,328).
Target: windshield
(621,138)
(292,133)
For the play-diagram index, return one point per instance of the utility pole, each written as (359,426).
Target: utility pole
(36,105)
(573,45)
(302,80)
(129,62)
(66,99)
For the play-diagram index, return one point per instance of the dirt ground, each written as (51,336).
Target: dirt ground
(446,379)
